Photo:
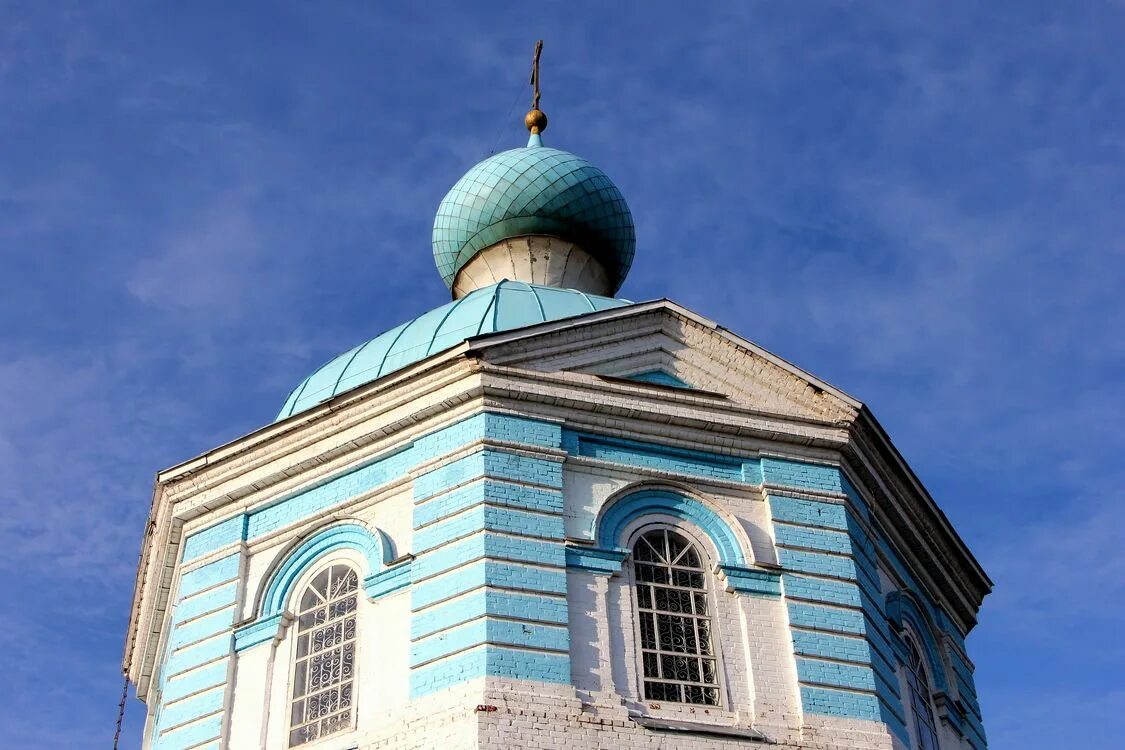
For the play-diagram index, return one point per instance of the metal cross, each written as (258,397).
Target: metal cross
(535,73)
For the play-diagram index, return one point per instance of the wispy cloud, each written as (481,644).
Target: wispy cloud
(919,203)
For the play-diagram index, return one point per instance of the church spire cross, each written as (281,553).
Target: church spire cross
(535,120)
(535,73)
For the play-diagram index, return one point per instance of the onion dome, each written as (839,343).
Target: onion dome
(534,214)
(527,236)
(501,307)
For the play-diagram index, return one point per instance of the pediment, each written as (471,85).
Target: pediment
(662,345)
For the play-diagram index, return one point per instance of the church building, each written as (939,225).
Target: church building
(542,516)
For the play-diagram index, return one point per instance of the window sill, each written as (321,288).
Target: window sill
(656,724)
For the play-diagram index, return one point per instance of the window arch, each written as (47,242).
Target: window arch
(322,699)
(679,662)
(920,699)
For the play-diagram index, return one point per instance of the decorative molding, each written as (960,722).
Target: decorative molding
(595,560)
(374,546)
(655,724)
(756,581)
(261,630)
(619,513)
(607,557)
(902,608)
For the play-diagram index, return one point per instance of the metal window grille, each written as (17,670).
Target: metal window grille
(677,650)
(925,728)
(324,670)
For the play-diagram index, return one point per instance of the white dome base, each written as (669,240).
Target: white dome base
(534,259)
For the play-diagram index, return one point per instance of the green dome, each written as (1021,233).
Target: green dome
(534,191)
(500,307)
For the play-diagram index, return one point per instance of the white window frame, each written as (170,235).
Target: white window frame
(724,707)
(294,636)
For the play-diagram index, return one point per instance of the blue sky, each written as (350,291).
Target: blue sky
(919,202)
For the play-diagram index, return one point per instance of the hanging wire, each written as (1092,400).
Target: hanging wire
(121,712)
(507,119)
(535,104)
(142,572)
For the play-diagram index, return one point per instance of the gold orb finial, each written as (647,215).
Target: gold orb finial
(535,121)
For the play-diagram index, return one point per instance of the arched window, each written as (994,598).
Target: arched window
(324,668)
(925,729)
(677,645)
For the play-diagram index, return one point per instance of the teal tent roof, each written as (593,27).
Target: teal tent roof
(501,307)
(534,190)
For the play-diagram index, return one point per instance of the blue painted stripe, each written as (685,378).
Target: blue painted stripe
(837,675)
(976,734)
(329,493)
(197,655)
(190,709)
(381,470)
(821,590)
(968,696)
(493,519)
(879,636)
(886,686)
(826,618)
(488,602)
(963,671)
(845,704)
(595,560)
(193,682)
(190,735)
(514,521)
(843,648)
(211,574)
(754,581)
(809,512)
(492,491)
(215,537)
(260,631)
(802,475)
(650,455)
(862,540)
(203,627)
(492,463)
(895,722)
(817,563)
(855,497)
(488,573)
(882,662)
(488,545)
(809,538)
(506,632)
(208,601)
(510,663)
(513,429)
(663,459)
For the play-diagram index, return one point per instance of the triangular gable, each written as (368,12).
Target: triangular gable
(662,344)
